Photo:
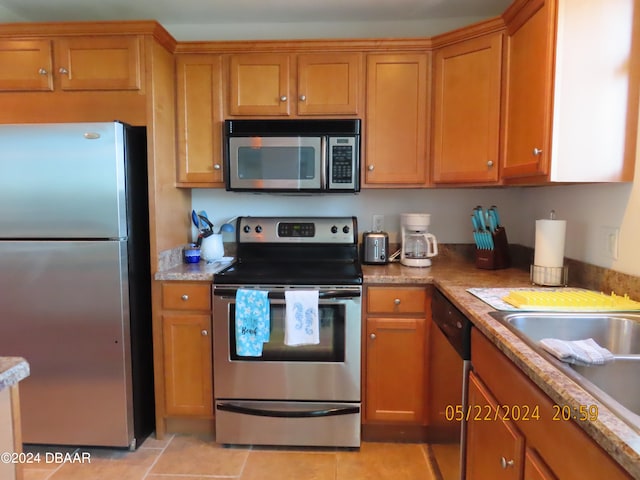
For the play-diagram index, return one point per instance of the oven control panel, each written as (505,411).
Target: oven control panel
(340,230)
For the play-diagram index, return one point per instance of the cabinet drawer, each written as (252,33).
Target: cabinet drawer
(397,300)
(186,296)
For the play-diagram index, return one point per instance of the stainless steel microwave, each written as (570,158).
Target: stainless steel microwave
(312,156)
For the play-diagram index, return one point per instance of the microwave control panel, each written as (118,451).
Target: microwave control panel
(343,162)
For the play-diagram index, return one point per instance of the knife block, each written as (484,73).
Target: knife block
(498,257)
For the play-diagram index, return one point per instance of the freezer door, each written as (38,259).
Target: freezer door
(65,309)
(62,181)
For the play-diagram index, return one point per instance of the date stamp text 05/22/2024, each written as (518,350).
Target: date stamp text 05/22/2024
(581,413)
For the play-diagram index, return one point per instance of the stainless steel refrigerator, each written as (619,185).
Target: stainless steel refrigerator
(75,280)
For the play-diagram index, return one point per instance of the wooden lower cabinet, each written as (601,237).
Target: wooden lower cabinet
(395,350)
(554,449)
(495,447)
(187,349)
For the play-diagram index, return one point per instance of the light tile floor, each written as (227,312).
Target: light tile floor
(183,457)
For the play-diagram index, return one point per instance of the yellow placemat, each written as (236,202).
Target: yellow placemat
(584,300)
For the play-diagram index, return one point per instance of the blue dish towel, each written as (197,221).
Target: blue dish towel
(253,321)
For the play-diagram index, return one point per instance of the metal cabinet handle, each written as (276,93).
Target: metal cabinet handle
(504,463)
(490,163)
(43,71)
(372,336)
(397,301)
(370,168)
(204,333)
(283,98)
(185,297)
(303,98)
(537,151)
(217,166)
(63,71)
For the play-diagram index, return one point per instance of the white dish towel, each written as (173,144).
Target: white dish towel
(301,325)
(582,352)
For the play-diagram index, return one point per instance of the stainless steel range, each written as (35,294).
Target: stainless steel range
(284,393)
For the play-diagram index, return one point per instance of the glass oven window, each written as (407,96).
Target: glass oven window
(277,163)
(332,338)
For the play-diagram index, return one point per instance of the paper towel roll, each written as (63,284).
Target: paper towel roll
(549,249)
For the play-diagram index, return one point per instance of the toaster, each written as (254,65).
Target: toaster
(375,247)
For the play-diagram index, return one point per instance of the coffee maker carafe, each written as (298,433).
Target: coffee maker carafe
(418,245)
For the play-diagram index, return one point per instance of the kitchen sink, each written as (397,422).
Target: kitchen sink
(615,383)
(617,332)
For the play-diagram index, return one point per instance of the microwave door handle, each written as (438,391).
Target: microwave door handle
(324,162)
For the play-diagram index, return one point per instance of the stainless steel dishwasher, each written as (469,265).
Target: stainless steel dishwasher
(456,327)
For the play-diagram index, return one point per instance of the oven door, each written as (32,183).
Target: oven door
(328,371)
(276,163)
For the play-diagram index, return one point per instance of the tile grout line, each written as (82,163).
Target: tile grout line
(162,450)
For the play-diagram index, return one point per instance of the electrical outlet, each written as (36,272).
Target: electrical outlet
(377,222)
(610,242)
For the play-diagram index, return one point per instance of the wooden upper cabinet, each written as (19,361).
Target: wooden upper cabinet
(284,84)
(396,120)
(99,63)
(259,84)
(466,123)
(26,65)
(528,93)
(71,63)
(329,84)
(199,102)
(572,91)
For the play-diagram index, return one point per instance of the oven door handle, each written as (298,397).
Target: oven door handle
(263,412)
(279,295)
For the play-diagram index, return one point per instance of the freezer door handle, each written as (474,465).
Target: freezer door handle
(261,412)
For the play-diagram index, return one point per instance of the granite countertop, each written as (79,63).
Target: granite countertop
(453,275)
(12,370)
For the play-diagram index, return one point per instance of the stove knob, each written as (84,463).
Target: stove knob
(246,229)
(334,229)
(346,229)
(258,229)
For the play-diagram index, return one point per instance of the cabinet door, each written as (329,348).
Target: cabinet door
(466,122)
(259,84)
(98,63)
(535,468)
(199,120)
(528,93)
(495,447)
(25,65)
(396,120)
(329,84)
(395,376)
(188,364)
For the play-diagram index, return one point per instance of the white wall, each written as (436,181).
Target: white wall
(311,30)
(587,208)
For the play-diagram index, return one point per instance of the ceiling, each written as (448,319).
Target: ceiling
(181,16)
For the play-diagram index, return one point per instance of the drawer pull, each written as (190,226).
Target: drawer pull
(397,301)
(372,336)
(185,297)
(504,463)
(204,333)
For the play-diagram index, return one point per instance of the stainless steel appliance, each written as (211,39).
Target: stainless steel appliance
(75,280)
(312,156)
(456,327)
(375,247)
(291,395)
